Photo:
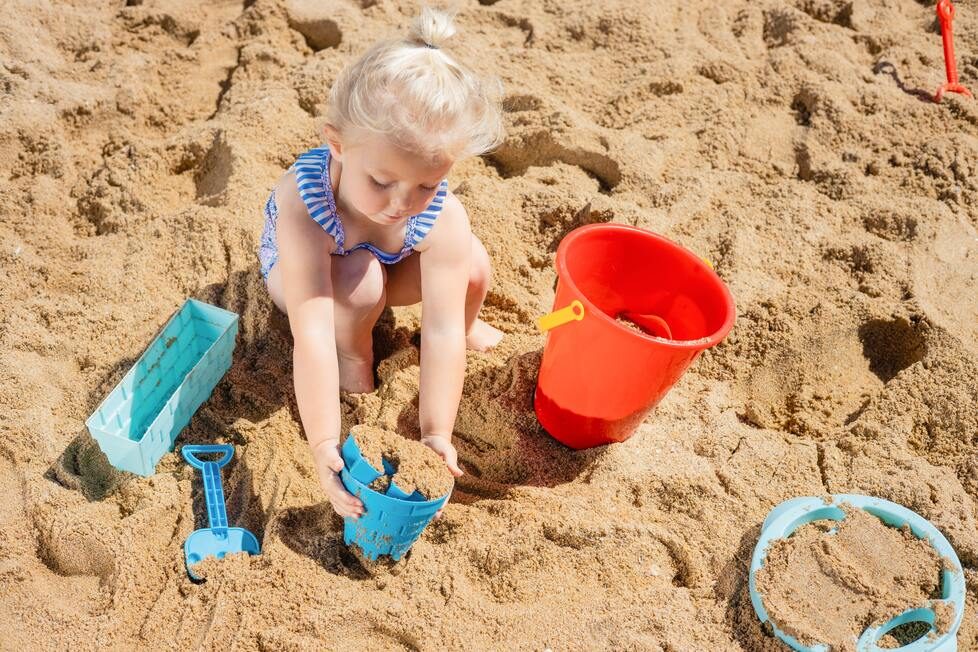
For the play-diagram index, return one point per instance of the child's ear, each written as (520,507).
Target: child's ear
(332,136)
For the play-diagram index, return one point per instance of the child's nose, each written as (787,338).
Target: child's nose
(400,202)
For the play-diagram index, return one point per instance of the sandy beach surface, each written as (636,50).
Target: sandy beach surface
(792,143)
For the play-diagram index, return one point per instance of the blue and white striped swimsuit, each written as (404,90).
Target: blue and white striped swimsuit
(316,189)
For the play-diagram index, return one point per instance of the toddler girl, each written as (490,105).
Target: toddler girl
(367,221)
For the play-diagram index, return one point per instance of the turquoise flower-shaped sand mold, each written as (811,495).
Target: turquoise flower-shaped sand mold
(391,521)
(139,420)
(217,540)
(792,514)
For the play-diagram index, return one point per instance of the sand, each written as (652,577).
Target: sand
(790,143)
(376,443)
(416,467)
(629,324)
(831,580)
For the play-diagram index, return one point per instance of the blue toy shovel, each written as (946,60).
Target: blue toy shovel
(217,540)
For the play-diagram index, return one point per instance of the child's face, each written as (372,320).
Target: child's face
(386,183)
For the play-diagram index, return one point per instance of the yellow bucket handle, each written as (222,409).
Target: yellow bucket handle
(573,312)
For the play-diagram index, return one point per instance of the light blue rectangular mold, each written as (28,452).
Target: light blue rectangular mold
(141,417)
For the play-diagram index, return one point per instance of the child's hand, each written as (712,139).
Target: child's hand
(443,446)
(329,464)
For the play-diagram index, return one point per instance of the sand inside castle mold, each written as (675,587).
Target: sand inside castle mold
(830,580)
(416,467)
(791,143)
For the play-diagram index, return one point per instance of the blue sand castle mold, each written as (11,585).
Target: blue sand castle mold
(364,472)
(792,514)
(390,523)
(141,417)
(216,540)
(356,464)
(396,492)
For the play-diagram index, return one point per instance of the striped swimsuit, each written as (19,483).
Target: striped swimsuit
(316,189)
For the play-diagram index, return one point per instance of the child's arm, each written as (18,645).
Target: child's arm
(304,256)
(444,281)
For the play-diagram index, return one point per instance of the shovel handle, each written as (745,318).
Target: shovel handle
(217,516)
(573,312)
(945,14)
(190,454)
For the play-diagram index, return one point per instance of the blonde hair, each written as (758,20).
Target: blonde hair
(412,92)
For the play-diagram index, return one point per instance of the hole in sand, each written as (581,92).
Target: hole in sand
(499,440)
(318,31)
(803,104)
(813,385)
(515,156)
(316,532)
(72,538)
(891,346)
(83,467)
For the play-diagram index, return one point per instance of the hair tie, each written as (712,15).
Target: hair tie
(429,45)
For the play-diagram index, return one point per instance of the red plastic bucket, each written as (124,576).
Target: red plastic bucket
(598,377)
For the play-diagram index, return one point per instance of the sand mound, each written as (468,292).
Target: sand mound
(792,144)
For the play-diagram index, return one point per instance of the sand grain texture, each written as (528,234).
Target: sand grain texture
(821,586)
(416,467)
(790,143)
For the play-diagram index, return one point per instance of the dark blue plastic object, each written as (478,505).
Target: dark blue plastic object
(390,523)
(217,540)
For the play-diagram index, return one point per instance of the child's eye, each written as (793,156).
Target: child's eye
(379,184)
(429,188)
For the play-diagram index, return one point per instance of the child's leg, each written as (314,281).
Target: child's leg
(479,336)
(404,289)
(359,282)
(359,297)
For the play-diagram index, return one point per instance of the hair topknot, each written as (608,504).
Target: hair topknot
(432,28)
(417,95)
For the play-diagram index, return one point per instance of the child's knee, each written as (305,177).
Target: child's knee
(274,285)
(365,282)
(480,269)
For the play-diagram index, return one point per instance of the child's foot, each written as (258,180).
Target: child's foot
(482,336)
(356,374)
